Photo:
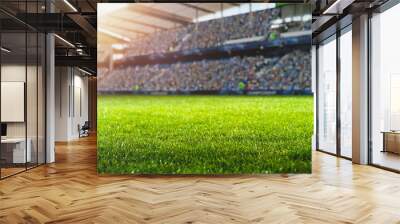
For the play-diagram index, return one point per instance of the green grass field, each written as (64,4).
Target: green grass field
(204,134)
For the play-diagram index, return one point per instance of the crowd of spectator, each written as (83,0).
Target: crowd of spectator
(289,72)
(205,34)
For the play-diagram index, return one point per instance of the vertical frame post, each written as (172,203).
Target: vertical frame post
(338,81)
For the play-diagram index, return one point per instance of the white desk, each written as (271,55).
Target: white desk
(391,141)
(19,155)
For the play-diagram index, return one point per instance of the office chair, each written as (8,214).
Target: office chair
(84,130)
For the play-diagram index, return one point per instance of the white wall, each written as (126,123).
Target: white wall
(82,83)
(13,72)
(71,87)
(62,82)
(16,72)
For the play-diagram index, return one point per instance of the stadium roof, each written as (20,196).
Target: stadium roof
(124,22)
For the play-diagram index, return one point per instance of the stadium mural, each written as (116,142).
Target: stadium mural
(204,88)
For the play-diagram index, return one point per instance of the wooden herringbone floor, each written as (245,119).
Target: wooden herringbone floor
(70,191)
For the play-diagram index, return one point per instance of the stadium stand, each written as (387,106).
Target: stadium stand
(287,73)
(206,34)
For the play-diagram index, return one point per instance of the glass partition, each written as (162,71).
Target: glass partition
(14,151)
(22,92)
(385,89)
(327,96)
(31,99)
(346,93)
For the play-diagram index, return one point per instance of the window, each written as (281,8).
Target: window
(327,96)
(385,89)
(346,93)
